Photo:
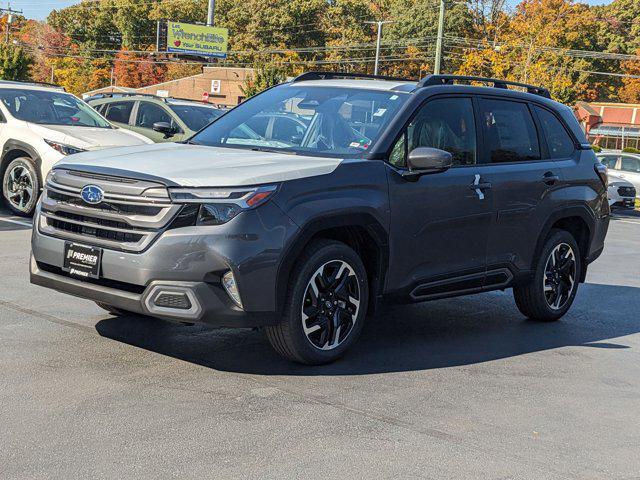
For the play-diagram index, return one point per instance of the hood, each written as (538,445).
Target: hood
(617,181)
(177,164)
(89,138)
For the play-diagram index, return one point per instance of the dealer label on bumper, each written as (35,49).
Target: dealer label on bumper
(82,261)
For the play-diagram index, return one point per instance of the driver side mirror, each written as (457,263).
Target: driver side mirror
(425,160)
(165,128)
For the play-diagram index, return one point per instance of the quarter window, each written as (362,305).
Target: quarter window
(445,123)
(509,132)
(558,140)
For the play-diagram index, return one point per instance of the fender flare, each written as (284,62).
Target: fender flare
(13,144)
(581,211)
(337,220)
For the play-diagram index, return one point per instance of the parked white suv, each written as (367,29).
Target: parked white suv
(40,125)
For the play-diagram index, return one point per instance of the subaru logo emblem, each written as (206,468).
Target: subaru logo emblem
(92,194)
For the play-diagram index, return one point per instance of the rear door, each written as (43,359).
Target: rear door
(439,222)
(119,113)
(522,159)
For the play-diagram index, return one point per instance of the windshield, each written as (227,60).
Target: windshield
(327,121)
(50,108)
(194,116)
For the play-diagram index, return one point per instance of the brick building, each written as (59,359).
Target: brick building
(610,125)
(221,84)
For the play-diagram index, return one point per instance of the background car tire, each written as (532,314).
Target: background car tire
(531,299)
(21,182)
(288,338)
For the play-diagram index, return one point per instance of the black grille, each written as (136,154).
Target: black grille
(99,222)
(94,232)
(627,191)
(106,206)
(128,287)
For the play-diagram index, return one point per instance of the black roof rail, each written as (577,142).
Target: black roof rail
(98,96)
(431,80)
(32,83)
(333,75)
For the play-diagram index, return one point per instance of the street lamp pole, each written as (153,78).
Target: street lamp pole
(438,62)
(210,11)
(378,41)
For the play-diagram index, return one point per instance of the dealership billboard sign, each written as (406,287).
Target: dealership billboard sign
(197,40)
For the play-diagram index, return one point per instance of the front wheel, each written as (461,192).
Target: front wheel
(325,307)
(21,186)
(551,292)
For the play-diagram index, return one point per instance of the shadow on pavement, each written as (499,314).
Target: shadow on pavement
(444,333)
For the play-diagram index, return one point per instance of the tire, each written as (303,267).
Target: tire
(555,282)
(21,186)
(337,274)
(116,312)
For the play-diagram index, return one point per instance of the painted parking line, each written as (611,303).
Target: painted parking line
(634,222)
(24,223)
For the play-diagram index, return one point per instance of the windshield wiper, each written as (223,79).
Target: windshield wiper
(272,150)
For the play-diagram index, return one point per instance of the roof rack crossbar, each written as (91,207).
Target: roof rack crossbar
(431,80)
(333,75)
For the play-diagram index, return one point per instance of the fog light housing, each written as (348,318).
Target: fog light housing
(231,287)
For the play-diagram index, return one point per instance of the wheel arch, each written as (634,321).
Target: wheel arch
(361,231)
(13,149)
(579,221)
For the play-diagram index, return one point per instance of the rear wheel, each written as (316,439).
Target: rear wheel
(553,288)
(21,186)
(325,307)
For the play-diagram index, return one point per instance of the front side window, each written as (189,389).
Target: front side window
(310,120)
(445,123)
(609,160)
(558,140)
(50,108)
(630,164)
(509,132)
(119,112)
(150,113)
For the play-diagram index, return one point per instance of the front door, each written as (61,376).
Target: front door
(147,115)
(439,223)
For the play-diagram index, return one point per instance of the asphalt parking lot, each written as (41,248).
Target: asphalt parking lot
(462,388)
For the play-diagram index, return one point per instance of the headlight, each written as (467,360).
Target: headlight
(64,149)
(220,205)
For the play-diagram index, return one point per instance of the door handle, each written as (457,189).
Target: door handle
(479,186)
(550,178)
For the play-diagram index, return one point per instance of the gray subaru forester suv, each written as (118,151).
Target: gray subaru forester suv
(386,189)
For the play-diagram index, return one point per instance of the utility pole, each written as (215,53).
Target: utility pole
(379,24)
(438,63)
(9,11)
(210,12)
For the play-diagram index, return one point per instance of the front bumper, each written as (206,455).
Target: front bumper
(188,261)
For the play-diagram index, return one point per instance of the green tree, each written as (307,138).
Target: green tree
(264,76)
(14,63)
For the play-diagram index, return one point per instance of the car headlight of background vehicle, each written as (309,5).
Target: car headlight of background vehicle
(215,206)
(64,149)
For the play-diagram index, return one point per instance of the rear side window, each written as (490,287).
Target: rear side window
(558,140)
(509,131)
(119,112)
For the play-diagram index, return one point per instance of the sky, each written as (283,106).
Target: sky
(39,9)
